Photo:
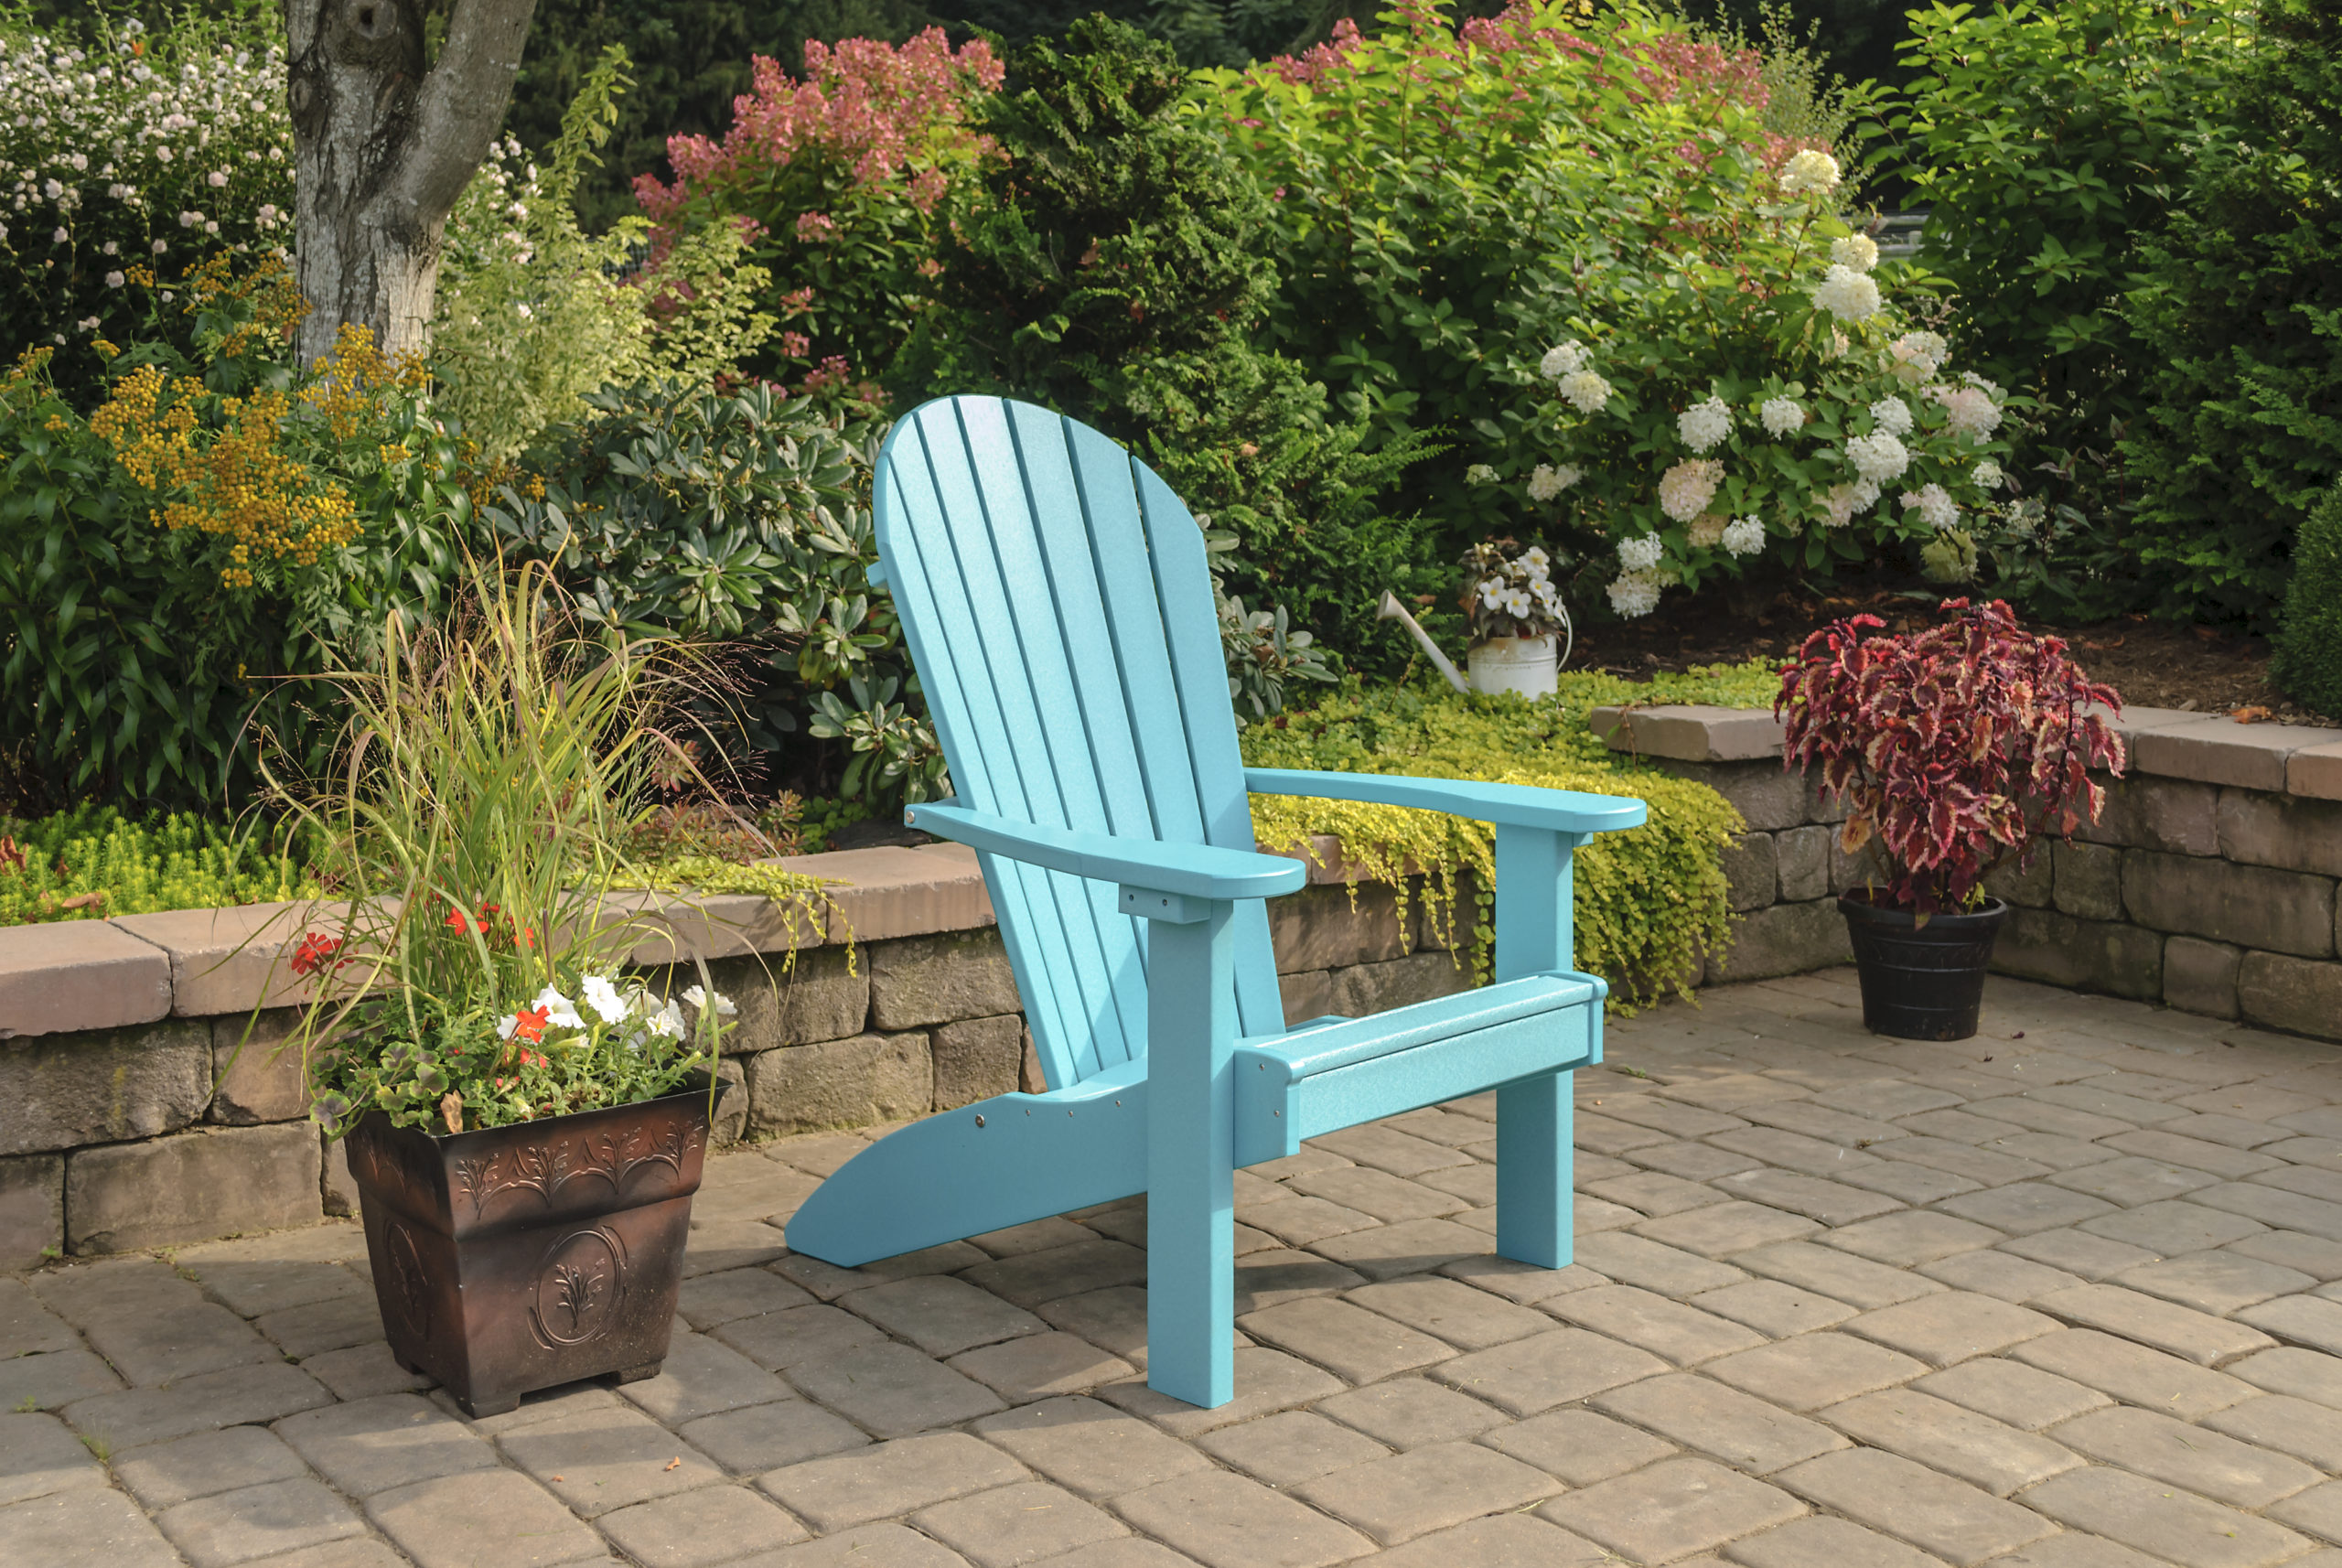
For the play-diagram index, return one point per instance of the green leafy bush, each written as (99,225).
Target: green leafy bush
(94,862)
(1111,264)
(1649,901)
(2306,659)
(2239,321)
(741,518)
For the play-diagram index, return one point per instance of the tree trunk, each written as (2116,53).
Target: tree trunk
(381,149)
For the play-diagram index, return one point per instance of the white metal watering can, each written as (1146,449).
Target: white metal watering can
(1527,665)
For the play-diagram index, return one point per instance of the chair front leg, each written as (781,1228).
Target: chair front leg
(1535,1203)
(1190,1149)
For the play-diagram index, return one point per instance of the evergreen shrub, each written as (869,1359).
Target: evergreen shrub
(2306,653)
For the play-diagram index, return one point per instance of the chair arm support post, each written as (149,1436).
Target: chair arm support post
(1191,1156)
(1535,1132)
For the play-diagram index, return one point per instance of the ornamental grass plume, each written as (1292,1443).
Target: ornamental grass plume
(474,828)
(1956,748)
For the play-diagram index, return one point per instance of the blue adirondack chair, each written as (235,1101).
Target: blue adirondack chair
(1059,611)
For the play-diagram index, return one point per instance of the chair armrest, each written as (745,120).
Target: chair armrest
(1184,870)
(1510,805)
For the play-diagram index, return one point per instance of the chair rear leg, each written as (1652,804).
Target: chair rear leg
(1535,1216)
(1191,1161)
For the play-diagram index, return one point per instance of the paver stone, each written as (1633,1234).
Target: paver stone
(94,1525)
(1468,1318)
(1498,1540)
(767,1436)
(258,1521)
(1826,1271)
(1723,1423)
(377,1443)
(598,1460)
(167,1474)
(1266,1380)
(1684,1335)
(2217,1281)
(1041,1366)
(2163,1521)
(2186,1455)
(940,1314)
(2306,1431)
(1951,1438)
(1814,1370)
(1017,1524)
(1820,1542)
(2291,1371)
(38,1456)
(1532,1375)
(2133,1372)
(891,1479)
(701,1377)
(1354,1344)
(700,1529)
(1289,1447)
(1089,1447)
(892,1389)
(1579,1445)
(1672,1509)
(1958,1522)
(203,1404)
(1426,1488)
(1773,1308)
(1226,1521)
(2318,1511)
(1950,1327)
(1408,1412)
(2198,1337)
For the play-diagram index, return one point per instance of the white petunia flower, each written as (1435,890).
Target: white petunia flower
(1549,481)
(604,998)
(1810,172)
(1585,391)
(698,998)
(1745,536)
(1782,416)
(1848,295)
(1878,457)
(1704,424)
(559,1009)
(1935,506)
(1636,593)
(668,1021)
(1892,414)
(1563,359)
(1479,474)
(1685,489)
(1641,554)
(1859,252)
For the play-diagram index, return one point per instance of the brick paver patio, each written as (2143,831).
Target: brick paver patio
(2062,1296)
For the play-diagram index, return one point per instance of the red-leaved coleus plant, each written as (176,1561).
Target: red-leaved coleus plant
(1956,746)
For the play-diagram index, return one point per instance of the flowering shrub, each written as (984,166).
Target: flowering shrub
(1955,747)
(840,175)
(127,148)
(1769,401)
(171,563)
(1510,596)
(1449,199)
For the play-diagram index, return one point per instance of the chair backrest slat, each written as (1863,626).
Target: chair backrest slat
(1056,601)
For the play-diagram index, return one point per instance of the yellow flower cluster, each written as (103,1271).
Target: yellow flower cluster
(351,381)
(234,479)
(276,301)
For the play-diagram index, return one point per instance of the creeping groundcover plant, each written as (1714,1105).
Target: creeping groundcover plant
(1762,395)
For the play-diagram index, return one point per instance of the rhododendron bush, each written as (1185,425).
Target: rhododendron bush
(841,175)
(1955,747)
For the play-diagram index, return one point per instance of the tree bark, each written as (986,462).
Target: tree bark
(382,148)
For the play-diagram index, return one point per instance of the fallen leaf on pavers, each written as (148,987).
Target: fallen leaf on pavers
(2252,715)
(675,1462)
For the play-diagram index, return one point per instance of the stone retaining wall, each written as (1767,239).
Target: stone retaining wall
(2210,883)
(113,1034)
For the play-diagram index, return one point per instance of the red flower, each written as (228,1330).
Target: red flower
(528,1024)
(464,927)
(315,949)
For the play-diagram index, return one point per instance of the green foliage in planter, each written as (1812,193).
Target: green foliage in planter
(1649,901)
(2306,662)
(94,862)
(2239,316)
(1112,263)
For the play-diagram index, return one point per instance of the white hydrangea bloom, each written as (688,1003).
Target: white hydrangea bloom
(1878,457)
(1782,416)
(1479,474)
(1685,489)
(1987,475)
(1838,507)
(1920,355)
(1704,424)
(1935,506)
(1989,388)
(1848,295)
(1744,536)
(1892,414)
(1636,593)
(1564,360)
(1641,554)
(1549,481)
(1812,172)
(1972,412)
(1866,494)
(1859,252)
(1706,530)
(1586,392)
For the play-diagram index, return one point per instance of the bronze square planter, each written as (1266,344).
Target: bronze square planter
(511,1259)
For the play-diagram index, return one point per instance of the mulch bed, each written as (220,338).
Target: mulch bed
(2152,663)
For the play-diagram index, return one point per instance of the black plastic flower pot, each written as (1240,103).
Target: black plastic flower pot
(1921,982)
